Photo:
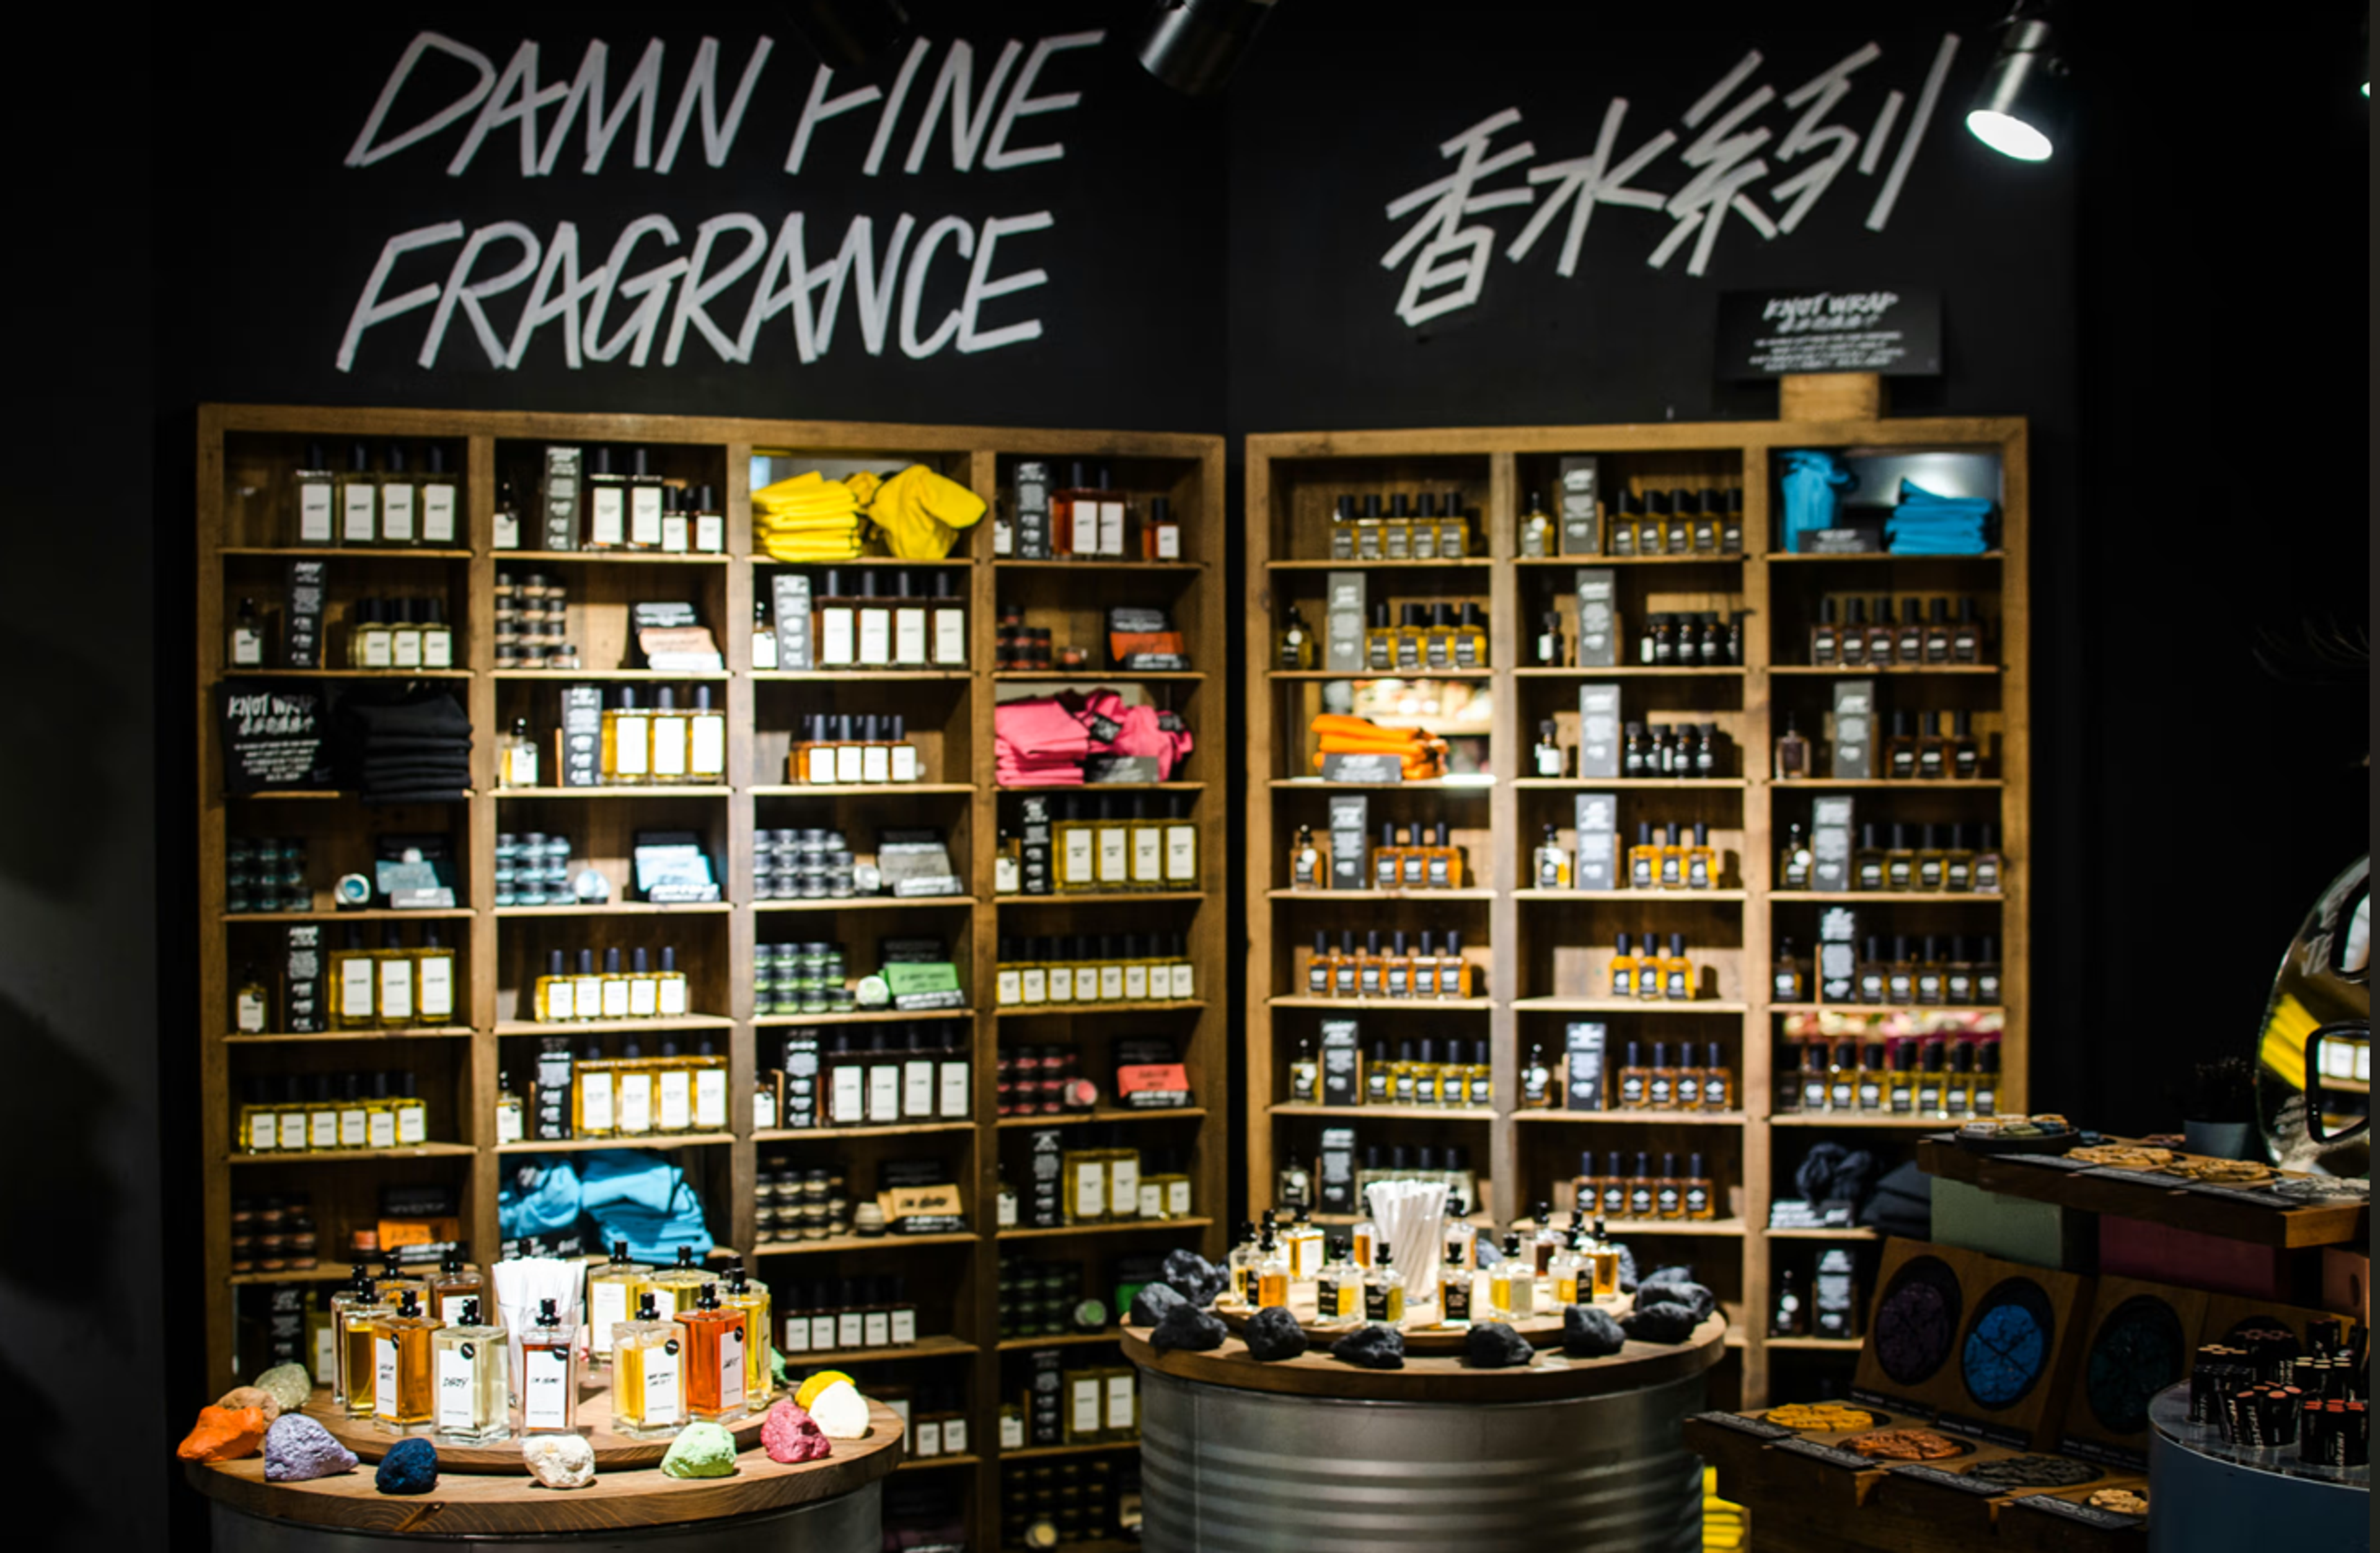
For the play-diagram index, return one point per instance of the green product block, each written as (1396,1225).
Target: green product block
(2016,1228)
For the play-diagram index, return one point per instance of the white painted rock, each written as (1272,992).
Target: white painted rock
(560,1461)
(840,1412)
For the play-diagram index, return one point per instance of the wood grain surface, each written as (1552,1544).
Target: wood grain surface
(612,1453)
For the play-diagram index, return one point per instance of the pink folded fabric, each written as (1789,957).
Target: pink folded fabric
(1142,734)
(1040,728)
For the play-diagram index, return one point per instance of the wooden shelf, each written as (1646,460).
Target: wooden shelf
(321,1272)
(1482,785)
(1912,784)
(1629,671)
(656,790)
(662,676)
(1301,1001)
(326,1156)
(856,789)
(323,795)
(613,1026)
(1833,671)
(884,1130)
(1596,784)
(1092,676)
(1033,1010)
(640,1140)
(423,1032)
(1690,559)
(867,903)
(937,1463)
(1911,897)
(1295,675)
(940,1345)
(371,914)
(1461,563)
(1616,1005)
(1389,1112)
(351,553)
(1419,896)
(1643,897)
(623,909)
(1121,1226)
(1635,1118)
(1112,787)
(1032,1452)
(346,674)
(1944,1009)
(1128,897)
(1849,1231)
(869,676)
(1091,563)
(1784,555)
(1856,1119)
(837,1244)
(1622,1228)
(1106,1115)
(613,557)
(1814,1345)
(864,1016)
(1063,1340)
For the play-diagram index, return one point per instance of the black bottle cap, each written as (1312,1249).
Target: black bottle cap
(1875,948)
(1371,505)
(1633,1060)
(1827,611)
(547,1315)
(1677,944)
(646,1309)
(1623,942)
(685,1255)
(358,458)
(1454,505)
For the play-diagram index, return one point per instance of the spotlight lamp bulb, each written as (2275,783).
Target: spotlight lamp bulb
(2022,105)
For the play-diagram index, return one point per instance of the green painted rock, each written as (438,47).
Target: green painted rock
(289,1384)
(701,1450)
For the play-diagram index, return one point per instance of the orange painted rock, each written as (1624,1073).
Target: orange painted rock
(224,1434)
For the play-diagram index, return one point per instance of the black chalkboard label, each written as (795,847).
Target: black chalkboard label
(2243,1195)
(2105,1454)
(1978,1428)
(1940,1479)
(1768,333)
(1850,1461)
(1742,1426)
(272,736)
(2067,1510)
(2054,1161)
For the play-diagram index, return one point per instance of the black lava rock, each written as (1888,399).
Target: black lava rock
(1188,1327)
(1677,1291)
(1148,1306)
(1372,1348)
(411,1467)
(1193,1277)
(1660,1323)
(1492,1345)
(1627,1271)
(1676,1273)
(1589,1332)
(1273,1334)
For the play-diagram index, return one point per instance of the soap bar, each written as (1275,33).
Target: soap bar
(700,1450)
(222,1434)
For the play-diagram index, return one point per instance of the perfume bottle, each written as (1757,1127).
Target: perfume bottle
(1932,861)
(1883,634)
(1795,859)
(404,1388)
(611,1291)
(1623,970)
(1966,635)
(1513,1283)
(1551,861)
(1296,646)
(1702,860)
(648,1380)
(1792,760)
(354,1309)
(470,1364)
(1901,750)
(755,1301)
(1962,757)
(1788,983)
(1826,637)
(1677,976)
(1649,968)
(549,1374)
(1272,1271)
(1899,861)
(714,1353)
(1548,757)
(1645,859)
(359,499)
(1988,863)
(1718,1081)
(1868,861)
(1538,532)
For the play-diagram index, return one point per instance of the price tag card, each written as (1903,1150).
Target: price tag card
(1951,1480)
(1738,1424)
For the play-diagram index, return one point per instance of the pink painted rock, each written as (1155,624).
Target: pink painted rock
(790,1434)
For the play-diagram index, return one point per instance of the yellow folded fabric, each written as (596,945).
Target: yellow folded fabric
(921,513)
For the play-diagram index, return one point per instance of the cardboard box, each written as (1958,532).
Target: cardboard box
(1034,847)
(1032,491)
(1335,1170)
(1831,842)
(800,1105)
(1599,619)
(2018,1229)
(1043,1206)
(1351,832)
(579,757)
(789,602)
(559,492)
(1342,621)
(1598,731)
(1585,1042)
(301,636)
(302,1009)
(1582,511)
(1838,954)
(1341,1074)
(1851,743)
(1598,842)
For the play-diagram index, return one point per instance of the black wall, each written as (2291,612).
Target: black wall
(2177,307)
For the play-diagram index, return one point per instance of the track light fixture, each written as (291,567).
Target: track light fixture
(2020,108)
(1194,45)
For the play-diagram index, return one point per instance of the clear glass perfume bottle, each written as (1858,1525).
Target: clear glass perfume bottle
(471,1362)
(354,1309)
(1384,1289)
(404,1382)
(647,1374)
(549,1374)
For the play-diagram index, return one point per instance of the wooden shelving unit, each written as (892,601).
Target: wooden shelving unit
(1541,951)
(245,457)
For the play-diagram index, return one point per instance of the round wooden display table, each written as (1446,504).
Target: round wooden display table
(1314,1455)
(612,1453)
(827,1506)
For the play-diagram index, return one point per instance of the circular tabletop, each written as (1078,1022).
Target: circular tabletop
(1551,1377)
(491,1504)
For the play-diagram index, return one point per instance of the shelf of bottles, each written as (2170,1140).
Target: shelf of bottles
(1523,864)
(696,899)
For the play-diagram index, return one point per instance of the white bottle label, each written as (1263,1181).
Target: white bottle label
(820,771)
(1110,984)
(396,514)
(607,1306)
(508,1122)
(1085,1412)
(1152,1200)
(1123,1188)
(669,746)
(437,647)
(917,1087)
(586,997)
(450,1308)
(635,1102)
(405,647)
(1181,853)
(438,513)
(508,529)
(672,991)
(825,1333)
(876,1328)
(953,1103)
(1079,856)
(645,516)
(874,638)
(631,744)
(796,1335)
(314,513)
(379,649)
(263,1132)
(1148,856)
(644,996)
(1010,986)
(1111,527)
(412,1126)
(1061,984)
(955,1436)
(876,763)
(605,516)
(764,650)
(706,756)
(711,1100)
(545,1387)
(355,987)
(247,648)
(353,1127)
(674,535)
(1033,987)
(930,1438)
(595,1103)
(904,762)
(521,766)
(849,1328)
(909,636)
(709,532)
(615,997)
(1136,983)
(883,1092)
(1012,1431)
(849,1102)
(384,1377)
(293,1130)
(1120,1399)
(379,1129)
(664,1397)
(949,636)
(677,1101)
(1090,1189)
(1007,875)
(249,1014)
(1185,982)
(454,1389)
(834,636)
(322,1130)
(1115,853)
(1169,541)
(357,508)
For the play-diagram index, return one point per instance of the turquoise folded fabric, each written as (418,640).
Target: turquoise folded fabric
(1927,524)
(1812,483)
(629,1195)
(538,1196)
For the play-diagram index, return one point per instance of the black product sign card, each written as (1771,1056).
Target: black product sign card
(1977,1428)
(1737,1422)
(2106,1455)
(2253,1197)
(1889,1405)
(2054,1161)
(2156,1179)
(272,736)
(1850,1461)
(1941,1479)
(1769,333)
(2067,1510)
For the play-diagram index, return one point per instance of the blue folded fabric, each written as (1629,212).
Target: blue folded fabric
(1927,524)
(539,1197)
(655,1237)
(628,1178)
(1812,483)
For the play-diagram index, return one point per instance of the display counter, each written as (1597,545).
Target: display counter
(827,1506)
(2212,1493)
(1240,1455)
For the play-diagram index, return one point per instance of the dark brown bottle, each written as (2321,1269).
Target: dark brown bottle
(1883,634)
(1826,637)
(1853,646)
(1938,633)
(1909,642)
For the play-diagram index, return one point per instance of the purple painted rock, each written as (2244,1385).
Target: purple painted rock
(297,1448)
